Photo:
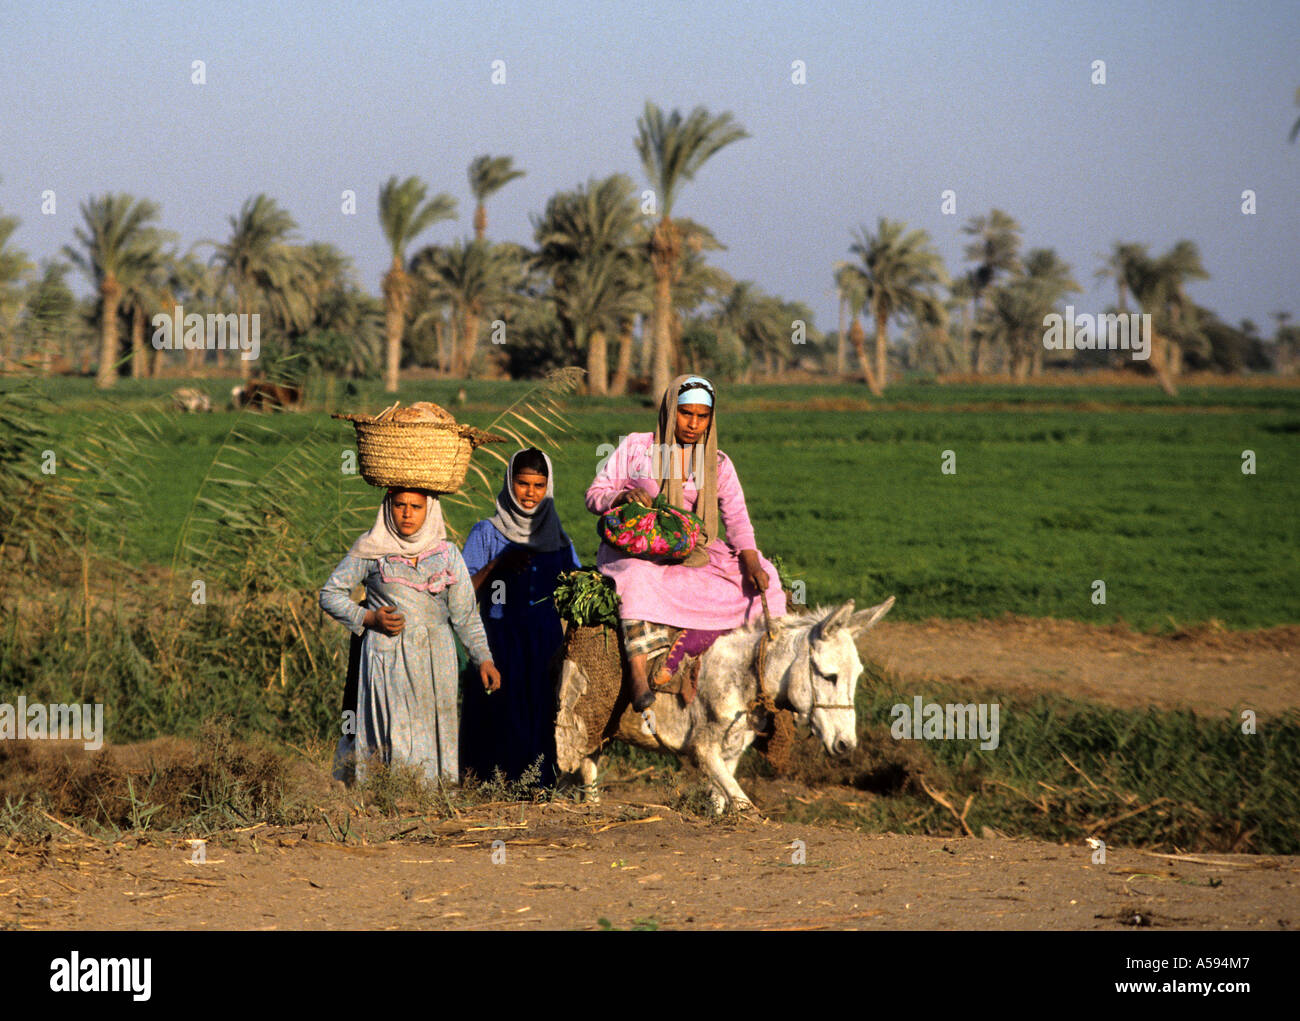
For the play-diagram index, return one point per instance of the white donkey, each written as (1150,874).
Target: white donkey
(810,665)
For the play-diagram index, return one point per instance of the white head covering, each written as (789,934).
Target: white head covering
(538,528)
(384,540)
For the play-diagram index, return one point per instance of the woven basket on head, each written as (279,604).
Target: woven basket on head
(421,447)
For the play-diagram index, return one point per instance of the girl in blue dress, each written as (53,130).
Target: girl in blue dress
(417,591)
(514,558)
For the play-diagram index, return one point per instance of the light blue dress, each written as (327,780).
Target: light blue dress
(406,687)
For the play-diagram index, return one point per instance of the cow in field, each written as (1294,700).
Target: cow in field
(190,400)
(262,395)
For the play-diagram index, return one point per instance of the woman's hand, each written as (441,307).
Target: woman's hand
(490,677)
(752,570)
(385,619)
(635,495)
(514,559)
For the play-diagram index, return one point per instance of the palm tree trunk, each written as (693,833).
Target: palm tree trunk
(138,368)
(882,353)
(859,338)
(468,342)
(664,247)
(1159,359)
(480,222)
(840,341)
(110,292)
(439,354)
(676,362)
(1036,363)
(245,366)
(624,367)
(597,364)
(965,339)
(394,314)
(451,354)
(659,377)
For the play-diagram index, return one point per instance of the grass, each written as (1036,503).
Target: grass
(1042,504)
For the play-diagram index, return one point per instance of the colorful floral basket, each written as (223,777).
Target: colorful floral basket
(658,532)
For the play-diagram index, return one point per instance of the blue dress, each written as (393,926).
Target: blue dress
(406,684)
(511,728)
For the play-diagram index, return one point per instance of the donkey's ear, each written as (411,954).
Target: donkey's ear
(864,619)
(838,619)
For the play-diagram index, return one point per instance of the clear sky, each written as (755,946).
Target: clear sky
(903,100)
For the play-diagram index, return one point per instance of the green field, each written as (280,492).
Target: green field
(1147,496)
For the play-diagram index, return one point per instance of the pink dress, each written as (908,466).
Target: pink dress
(710,597)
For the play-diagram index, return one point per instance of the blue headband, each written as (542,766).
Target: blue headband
(697,394)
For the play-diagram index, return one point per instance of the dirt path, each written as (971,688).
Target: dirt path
(1209,671)
(571,866)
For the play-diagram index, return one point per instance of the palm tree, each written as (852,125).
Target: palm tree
(184,279)
(1048,280)
(994,251)
(488,175)
(141,295)
(118,228)
(404,215)
(672,151)
(584,243)
(695,283)
(470,277)
(639,298)
(1158,286)
(853,296)
(1118,266)
(50,313)
(14,270)
(898,273)
(263,267)
(1181,263)
(961,293)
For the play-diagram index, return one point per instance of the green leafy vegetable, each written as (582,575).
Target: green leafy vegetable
(587,598)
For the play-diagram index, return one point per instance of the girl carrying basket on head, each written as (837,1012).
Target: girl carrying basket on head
(417,592)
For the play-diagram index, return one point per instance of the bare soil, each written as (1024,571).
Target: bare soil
(634,862)
(572,866)
(1207,670)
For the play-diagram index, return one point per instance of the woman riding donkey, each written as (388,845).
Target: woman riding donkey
(717,587)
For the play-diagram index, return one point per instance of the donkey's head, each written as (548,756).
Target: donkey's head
(823,677)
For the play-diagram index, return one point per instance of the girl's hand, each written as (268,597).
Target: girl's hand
(752,571)
(385,619)
(490,677)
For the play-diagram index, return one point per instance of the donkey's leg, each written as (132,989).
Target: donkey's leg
(721,776)
(587,770)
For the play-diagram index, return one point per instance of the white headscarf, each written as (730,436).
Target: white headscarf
(384,540)
(538,528)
